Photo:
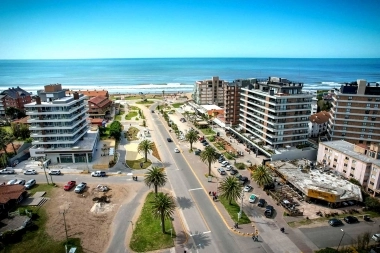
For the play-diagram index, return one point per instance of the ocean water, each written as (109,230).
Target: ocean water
(179,74)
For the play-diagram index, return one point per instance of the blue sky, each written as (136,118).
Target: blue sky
(188,28)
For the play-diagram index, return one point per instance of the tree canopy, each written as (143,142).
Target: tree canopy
(115,129)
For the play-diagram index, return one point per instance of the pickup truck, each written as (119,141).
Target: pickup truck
(98,174)
(69,185)
(7,170)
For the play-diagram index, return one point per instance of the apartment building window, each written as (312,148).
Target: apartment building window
(346,116)
(353,161)
(351,175)
(376,105)
(370,130)
(362,136)
(366,111)
(334,166)
(363,129)
(345,122)
(373,118)
(348,104)
(326,149)
(371,183)
(369,136)
(349,98)
(344,171)
(352,168)
(369,99)
(364,124)
(365,180)
(345,165)
(368,105)
(344,128)
(348,110)
(365,117)
(335,160)
(377,99)
(372,124)
(374,112)
(343,134)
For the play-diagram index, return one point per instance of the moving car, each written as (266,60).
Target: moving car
(252,198)
(176,150)
(169,139)
(80,187)
(7,170)
(98,174)
(350,219)
(54,172)
(69,185)
(29,184)
(269,210)
(248,188)
(30,172)
(234,172)
(261,203)
(221,171)
(376,237)
(335,222)
(12,181)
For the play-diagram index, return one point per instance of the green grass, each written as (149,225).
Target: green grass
(132,133)
(145,102)
(147,234)
(233,210)
(7,128)
(118,117)
(133,97)
(135,164)
(43,187)
(131,115)
(134,108)
(177,105)
(207,131)
(35,239)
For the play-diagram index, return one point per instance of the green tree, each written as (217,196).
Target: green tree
(372,203)
(191,137)
(145,147)
(14,112)
(230,189)
(3,140)
(208,155)
(10,138)
(262,176)
(163,207)
(115,129)
(156,177)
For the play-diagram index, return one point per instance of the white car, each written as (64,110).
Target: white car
(248,188)
(30,172)
(225,163)
(376,237)
(176,150)
(12,181)
(55,172)
(229,167)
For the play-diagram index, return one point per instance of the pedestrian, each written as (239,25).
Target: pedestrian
(209,193)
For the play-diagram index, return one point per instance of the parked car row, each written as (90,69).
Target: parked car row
(28,184)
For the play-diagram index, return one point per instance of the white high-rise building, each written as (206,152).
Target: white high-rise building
(59,127)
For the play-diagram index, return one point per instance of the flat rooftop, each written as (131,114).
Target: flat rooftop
(211,107)
(317,180)
(348,149)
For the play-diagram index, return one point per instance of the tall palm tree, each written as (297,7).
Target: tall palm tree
(163,207)
(208,155)
(261,175)
(191,137)
(145,147)
(230,189)
(156,177)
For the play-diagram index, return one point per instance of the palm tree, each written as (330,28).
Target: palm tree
(230,189)
(156,177)
(208,155)
(191,137)
(145,146)
(261,175)
(3,140)
(10,138)
(163,207)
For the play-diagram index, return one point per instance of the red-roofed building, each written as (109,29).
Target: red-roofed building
(90,93)
(318,123)
(11,194)
(97,121)
(99,107)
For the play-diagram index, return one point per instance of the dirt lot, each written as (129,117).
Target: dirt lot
(85,218)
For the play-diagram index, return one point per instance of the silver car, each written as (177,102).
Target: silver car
(30,172)
(12,181)
(30,184)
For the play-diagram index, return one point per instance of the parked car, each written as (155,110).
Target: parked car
(376,237)
(69,185)
(7,170)
(205,144)
(197,152)
(98,173)
(350,219)
(221,171)
(335,222)
(261,203)
(12,181)
(242,179)
(169,139)
(30,172)
(252,198)
(221,159)
(234,172)
(54,172)
(30,183)
(80,187)
(270,186)
(20,181)
(225,163)
(229,167)
(176,150)
(248,188)
(269,210)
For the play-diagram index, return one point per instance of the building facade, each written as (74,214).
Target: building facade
(15,97)
(232,92)
(59,127)
(275,112)
(318,124)
(353,161)
(99,107)
(355,113)
(209,92)
(90,93)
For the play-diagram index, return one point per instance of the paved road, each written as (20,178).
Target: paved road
(207,229)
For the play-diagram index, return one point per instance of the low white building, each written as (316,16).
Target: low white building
(318,123)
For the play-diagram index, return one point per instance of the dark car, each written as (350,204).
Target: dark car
(269,211)
(234,172)
(351,219)
(242,179)
(205,143)
(335,222)
(261,203)
(197,152)
(152,111)
(169,139)
(270,186)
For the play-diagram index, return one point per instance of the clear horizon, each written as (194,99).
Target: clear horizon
(59,30)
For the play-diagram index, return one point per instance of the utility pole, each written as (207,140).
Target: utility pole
(43,166)
(64,221)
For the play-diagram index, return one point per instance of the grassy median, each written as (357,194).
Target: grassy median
(233,210)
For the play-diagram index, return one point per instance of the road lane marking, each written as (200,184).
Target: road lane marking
(202,233)
(207,232)
(195,189)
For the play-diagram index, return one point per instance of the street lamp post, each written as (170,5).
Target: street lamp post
(340,240)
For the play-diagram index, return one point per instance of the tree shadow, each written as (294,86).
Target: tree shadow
(184,202)
(200,240)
